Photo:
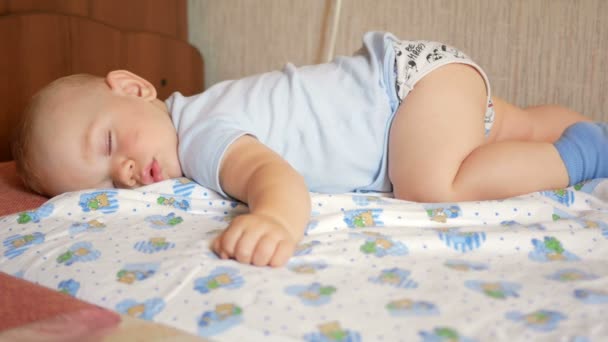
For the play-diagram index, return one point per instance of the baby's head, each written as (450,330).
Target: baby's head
(83,131)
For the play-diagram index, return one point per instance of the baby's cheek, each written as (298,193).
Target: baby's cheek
(130,142)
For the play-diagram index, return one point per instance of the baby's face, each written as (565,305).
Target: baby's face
(99,139)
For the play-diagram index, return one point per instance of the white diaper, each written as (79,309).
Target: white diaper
(415,59)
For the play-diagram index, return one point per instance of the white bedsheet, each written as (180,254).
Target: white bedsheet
(370,268)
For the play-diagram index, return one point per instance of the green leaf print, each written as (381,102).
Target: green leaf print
(540,316)
(327,290)
(339,335)
(175,221)
(24,218)
(553,244)
(495,294)
(358,222)
(448,333)
(369,247)
(93,204)
(65,257)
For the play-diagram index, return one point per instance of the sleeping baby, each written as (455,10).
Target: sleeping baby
(416,118)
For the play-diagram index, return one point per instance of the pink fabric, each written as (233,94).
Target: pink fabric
(91,325)
(24,302)
(14,197)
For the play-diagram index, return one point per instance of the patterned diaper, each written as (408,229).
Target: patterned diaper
(415,59)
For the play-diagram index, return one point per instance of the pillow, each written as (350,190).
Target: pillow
(13,194)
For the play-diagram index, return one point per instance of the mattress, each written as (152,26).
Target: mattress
(370,268)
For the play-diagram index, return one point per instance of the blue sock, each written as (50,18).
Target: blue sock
(584,150)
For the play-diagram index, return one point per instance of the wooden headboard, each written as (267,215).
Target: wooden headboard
(38,45)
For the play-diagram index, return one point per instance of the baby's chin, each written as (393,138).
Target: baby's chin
(173,170)
(52,190)
(176,173)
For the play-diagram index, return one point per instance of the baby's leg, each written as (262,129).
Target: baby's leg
(536,123)
(580,143)
(438,151)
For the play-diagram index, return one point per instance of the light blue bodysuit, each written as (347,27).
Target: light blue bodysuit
(329,121)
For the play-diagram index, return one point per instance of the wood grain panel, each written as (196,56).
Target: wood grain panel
(35,51)
(95,48)
(75,7)
(181,29)
(160,16)
(39,48)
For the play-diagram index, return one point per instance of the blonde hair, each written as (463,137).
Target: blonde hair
(24,140)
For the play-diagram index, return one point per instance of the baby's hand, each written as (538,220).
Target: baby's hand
(255,239)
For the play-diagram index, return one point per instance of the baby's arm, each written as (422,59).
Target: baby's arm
(279,205)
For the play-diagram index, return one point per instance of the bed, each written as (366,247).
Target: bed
(370,268)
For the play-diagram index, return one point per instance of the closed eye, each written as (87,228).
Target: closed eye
(109,143)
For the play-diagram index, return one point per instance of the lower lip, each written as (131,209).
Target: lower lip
(156,171)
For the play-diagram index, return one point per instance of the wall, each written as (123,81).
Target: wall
(534,51)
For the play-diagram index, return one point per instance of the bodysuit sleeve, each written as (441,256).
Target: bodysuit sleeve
(202,147)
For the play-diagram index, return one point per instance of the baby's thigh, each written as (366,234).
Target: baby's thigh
(439,123)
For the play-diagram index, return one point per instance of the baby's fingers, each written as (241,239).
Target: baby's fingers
(246,245)
(225,244)
(283,252)
(265,250)
(217,248)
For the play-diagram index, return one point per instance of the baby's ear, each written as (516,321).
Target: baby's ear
(124,82)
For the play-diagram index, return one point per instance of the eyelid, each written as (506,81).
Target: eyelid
(109,143)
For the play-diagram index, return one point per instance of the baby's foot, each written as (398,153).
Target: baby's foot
(583,148)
